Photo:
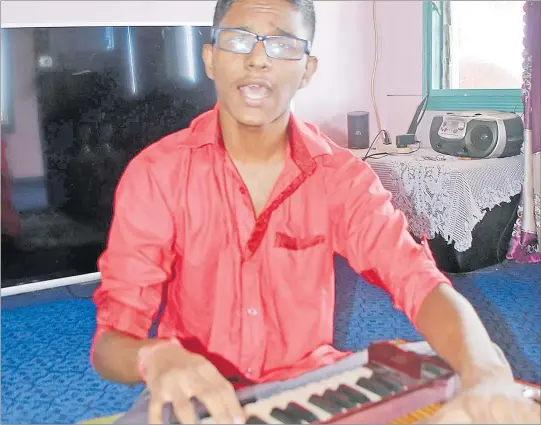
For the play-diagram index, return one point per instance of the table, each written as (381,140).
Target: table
(446,196)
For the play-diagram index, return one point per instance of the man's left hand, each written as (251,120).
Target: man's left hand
(494,400)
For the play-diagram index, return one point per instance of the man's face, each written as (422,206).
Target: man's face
(254,88)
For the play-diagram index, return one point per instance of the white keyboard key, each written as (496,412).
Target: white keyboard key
(301,395)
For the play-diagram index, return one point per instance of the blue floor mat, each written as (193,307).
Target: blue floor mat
(507,297)
(46,376)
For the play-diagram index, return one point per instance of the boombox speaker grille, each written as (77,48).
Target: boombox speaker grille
(481,137)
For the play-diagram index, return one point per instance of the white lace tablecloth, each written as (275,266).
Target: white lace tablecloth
(445,195)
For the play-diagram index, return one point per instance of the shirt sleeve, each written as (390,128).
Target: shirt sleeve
(373,236)
(139,254)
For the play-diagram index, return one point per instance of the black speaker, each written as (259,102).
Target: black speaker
(358,130)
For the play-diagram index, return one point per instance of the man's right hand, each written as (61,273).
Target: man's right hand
(176,375)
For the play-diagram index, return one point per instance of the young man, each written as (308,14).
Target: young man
(233,223)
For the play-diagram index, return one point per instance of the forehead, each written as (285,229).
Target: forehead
(266,17)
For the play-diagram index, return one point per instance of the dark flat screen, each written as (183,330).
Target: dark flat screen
(77,104)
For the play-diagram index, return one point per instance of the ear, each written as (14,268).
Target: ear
(207,54)
(311,68)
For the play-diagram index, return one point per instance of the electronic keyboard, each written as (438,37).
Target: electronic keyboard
(387,383)
(392,383)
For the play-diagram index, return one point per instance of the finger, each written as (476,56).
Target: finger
(208,395)
(458,416)
(231,404)
(223,392)
(171,391)
(452,413)
(183,408)
(505,410)
(527,412)
(155,410)
(533,414)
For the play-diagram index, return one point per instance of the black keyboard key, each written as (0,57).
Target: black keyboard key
(353,394)
(373,386)
(255,420)
(283,416)
(387,382)
(433,369)
(247,400)
(301,413)
(338,398)
(203,413)
(325,404)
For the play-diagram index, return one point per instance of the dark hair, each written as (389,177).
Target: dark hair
(306,7)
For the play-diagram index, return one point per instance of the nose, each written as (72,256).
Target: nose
(258,58)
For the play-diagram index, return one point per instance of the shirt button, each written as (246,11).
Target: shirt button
(249,372)
(252,311)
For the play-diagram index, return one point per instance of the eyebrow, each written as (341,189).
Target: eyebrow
(283,32)
(280,31)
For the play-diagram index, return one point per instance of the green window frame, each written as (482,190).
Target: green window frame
(509,100)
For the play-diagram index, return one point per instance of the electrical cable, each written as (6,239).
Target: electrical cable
(374,69)
(374,140)
(379,155)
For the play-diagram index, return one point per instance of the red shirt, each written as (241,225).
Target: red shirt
(254,295)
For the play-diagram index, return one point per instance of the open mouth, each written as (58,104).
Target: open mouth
(254,93)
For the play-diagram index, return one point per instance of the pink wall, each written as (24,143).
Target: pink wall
(344,44)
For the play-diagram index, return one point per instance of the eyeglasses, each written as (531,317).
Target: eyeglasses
(286,47)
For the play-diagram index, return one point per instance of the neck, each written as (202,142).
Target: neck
(254,144)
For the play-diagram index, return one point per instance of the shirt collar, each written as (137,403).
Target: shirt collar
(306,141)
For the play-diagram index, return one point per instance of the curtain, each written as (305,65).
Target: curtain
(524,246)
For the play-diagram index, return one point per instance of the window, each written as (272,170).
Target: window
(6,82)
(473,55)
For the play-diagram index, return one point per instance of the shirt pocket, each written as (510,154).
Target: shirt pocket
(293,243)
